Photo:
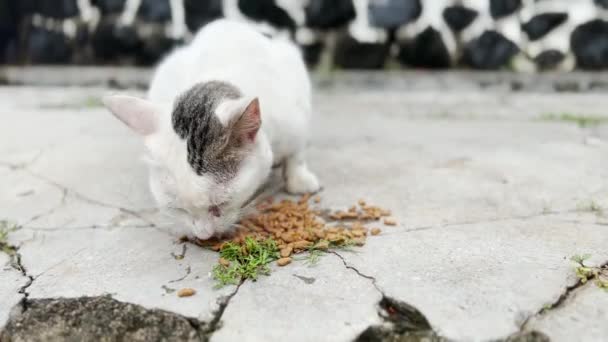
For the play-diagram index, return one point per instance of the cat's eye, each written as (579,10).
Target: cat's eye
(215,211)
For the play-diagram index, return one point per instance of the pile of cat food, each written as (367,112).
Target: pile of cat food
(296,226)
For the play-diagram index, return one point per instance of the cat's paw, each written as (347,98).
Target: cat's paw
(302,181)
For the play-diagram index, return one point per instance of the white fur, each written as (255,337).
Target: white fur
(271,70)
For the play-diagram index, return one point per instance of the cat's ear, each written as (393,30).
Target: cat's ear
(245,126)
(140,115)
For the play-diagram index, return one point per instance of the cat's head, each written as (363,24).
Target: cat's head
(206,154)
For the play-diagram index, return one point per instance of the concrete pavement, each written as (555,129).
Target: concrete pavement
(494,190)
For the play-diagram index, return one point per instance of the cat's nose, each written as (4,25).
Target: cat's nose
(202,230)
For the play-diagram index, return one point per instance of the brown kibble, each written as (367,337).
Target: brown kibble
(359,241)
(284,261)
(295,227)
(302,244)
(389,221)
(186,292)
(358,233)
(285,252)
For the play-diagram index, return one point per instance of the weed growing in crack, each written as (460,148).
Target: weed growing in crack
(579,119)
(316,251)
(5,229)
(245,262)
(588,273)
(592,207)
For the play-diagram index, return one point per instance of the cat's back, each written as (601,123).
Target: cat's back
(234,52)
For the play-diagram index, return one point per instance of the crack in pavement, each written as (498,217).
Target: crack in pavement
(188,271)
(402,320)
(498,219)
(137,214)
(52,210)
(215,324)
(134,213)
(17,264)
(94,226)
(569,291)
(405,322)
(23,165)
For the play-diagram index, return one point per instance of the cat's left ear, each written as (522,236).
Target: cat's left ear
(245,126)
(139,114)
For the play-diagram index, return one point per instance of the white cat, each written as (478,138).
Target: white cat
(220,112)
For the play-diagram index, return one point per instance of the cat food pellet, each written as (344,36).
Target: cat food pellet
(285,252)
(359,241)
(376,231)
(186,292)
(302,244)
(317,199)
(389,221)
(283,261)
(362,203)
(224,262)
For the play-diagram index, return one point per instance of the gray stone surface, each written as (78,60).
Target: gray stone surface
(95,319)
(492,194)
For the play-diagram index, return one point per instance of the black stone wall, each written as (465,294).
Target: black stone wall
(528,35)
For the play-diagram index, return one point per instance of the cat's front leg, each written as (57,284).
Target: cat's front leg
(297,175)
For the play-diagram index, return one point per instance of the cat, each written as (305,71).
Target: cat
(219,113)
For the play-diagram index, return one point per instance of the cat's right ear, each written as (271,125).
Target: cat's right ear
(139,114)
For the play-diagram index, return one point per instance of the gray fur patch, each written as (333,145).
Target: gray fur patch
(207,139)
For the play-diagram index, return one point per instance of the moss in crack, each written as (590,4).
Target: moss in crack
(404,323)
(585,273)
(528,336)
(5,229)
(85,103)
(580,119)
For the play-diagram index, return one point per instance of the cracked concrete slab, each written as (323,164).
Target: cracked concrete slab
(137,265)
(478,281)
(12,282)
(323,302)
(491,201)
(582,317)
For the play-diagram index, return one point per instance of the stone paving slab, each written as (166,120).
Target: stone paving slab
(491,197)
(479,281)
(323,302)
(138,265)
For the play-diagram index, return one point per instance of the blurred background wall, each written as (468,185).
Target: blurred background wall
(522,35)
